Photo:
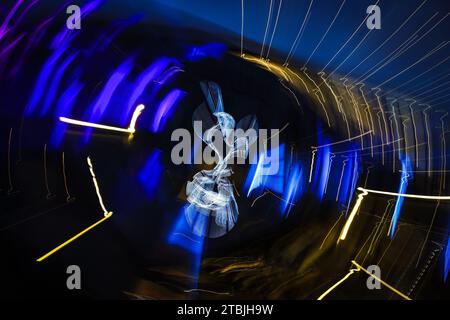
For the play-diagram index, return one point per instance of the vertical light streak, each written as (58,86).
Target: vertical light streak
(313,156)
(389,38)
(348,40)
(323,107)
(352,215)
(296,42)
(269,17)
(49,193)
(293,189)
(369,116)
(351,52)
(257,178)
(376,92)
(299,78)
(340,180)
(332,228)
(355,108)
(401,49)
(332,156)
(97,190)
(242,28)
(416,140)
(315,84)
(379,229)
(274,29)
(405,133)
(68,198)
(325,34)
(292,92)
(399,203)
(137,112)
(355,177)
(367,174)
(441,185)
(393,145)
(396,126)
(382,139)
(337,99)
(438,203)
(427,131)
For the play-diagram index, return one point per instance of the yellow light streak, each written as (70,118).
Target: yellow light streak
(360,268)
(131,129)
(367,191)
(406,195)
(107,215)
(73,239)
(240,266)
(404,296)
(352,215)
(337,284)
(137,112)
(270,66)
(97,190)
(92,125)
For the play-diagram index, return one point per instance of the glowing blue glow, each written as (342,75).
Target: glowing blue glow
(149,74)
(321,171)
(103,99)
(293,189)
(355,176)
(166,108)
(182,236)
(41,82)
(406,170)
(257,177)
(51,93)
(447,260)
(254,178)
(150,174)
(64,106)
(211,50)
